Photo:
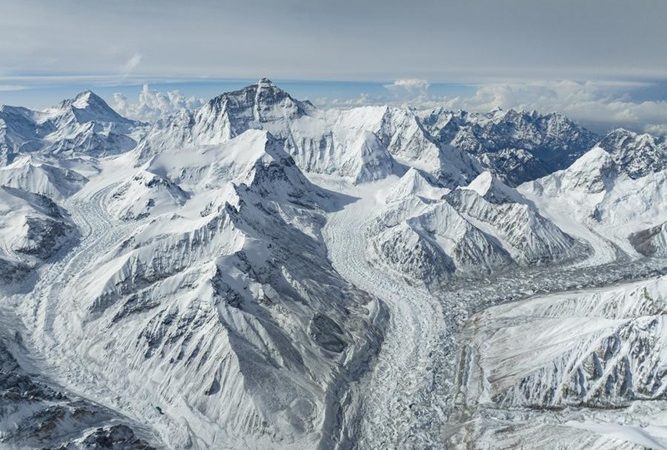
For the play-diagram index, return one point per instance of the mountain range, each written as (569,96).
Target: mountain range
(263,273)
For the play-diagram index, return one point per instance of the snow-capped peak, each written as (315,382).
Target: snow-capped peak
(264,82)
(414,182)
(636,154)
(87,107)
(84,99)
(83,124)
(490,187)
(260,98)
(591,173)
(261,106)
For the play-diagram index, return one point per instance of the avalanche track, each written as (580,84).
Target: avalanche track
(394,409)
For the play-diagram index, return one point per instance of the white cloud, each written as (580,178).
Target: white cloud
(409,88)
(409,84)
(598,103)
(153,105)
(131,64)
(657,129)
(363,99)
(11,87)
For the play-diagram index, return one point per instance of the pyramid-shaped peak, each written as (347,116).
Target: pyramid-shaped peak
(253,106)
(414,182)
(264,90)
(86,99)
(489,186)
(85,107)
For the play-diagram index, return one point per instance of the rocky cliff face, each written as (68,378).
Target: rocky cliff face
(517,145)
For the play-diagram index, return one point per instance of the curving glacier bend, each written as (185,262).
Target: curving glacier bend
(263,274)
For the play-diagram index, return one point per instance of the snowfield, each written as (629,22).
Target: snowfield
(594,359)
(260,273)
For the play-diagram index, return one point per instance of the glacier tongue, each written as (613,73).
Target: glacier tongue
(202,304)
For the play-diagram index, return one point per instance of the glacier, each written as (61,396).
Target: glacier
(263,273)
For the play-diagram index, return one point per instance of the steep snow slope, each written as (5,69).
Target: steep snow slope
(226,304)
(343,143)
(32,175)
(414,183)
(502,212)
(82,125)
(412,145)
(214,166)
(19,132)
(482,228)
(597,200)
(360,144)
(145,194)
(601,349)
(491,189)
(432,242)
(33,228)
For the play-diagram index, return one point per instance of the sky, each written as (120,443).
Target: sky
(601,61)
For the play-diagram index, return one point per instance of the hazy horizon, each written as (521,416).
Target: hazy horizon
(594,61)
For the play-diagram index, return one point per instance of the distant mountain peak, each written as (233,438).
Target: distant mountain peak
(86,107)
(86,98)
(506,140)
(260,105)
(636,154)
(264,82)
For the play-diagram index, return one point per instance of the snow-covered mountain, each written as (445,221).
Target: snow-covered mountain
(33,228)
(360,144)
(637,155)
(605,198)
(263,273)
(217,280)
(652,241)
(472,230)
(517,145)
(82,125)
(596,359)
(33,175)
